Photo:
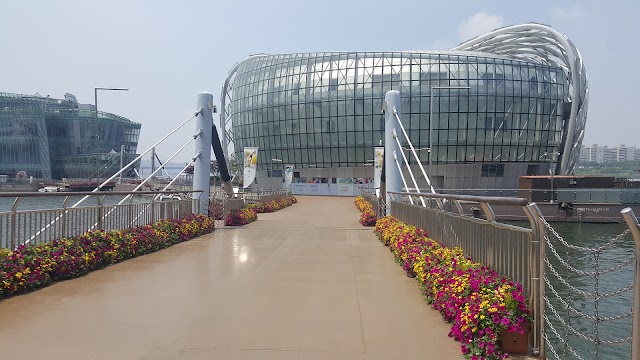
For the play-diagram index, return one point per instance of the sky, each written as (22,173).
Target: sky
(166,52)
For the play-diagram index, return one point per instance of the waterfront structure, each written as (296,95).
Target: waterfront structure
(603,153)
(509,103)
(59,138)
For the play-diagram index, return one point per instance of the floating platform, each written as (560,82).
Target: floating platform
(87,186)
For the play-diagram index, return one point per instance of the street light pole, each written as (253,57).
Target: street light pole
(95,95)
(551,171)
(431,115)
(95,104)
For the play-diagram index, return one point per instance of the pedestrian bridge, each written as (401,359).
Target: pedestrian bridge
(306,282)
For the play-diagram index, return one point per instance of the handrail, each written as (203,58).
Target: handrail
(83,193)
(496,200)
(31,226)
(634,228)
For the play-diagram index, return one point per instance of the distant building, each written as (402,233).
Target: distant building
(54,138)
(600,154)
(489,110)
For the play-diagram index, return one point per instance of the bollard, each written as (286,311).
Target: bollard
(201,167)
(393,177)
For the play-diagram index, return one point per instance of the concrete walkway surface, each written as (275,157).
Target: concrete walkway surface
(306,282)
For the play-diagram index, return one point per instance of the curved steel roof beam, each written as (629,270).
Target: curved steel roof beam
(526,35)
(549,53)
(515,40)
(544,51)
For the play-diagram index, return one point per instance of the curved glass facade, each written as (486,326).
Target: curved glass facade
(54,139)
(24,144)
(324,110)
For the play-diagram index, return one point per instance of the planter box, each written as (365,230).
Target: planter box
(516,343)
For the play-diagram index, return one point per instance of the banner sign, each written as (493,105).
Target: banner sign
(288,176)
(345,186)
(378,160)
(250,165)
(299,186)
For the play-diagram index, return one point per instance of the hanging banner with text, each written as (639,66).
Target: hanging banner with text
(250,165)
(378,160)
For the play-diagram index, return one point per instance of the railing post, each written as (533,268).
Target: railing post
(153,210)
(202,165)
(488,212)
(14,223)
(634,227)
(393,177)
(537,265)
(99,224)
(130,213)
(64,217)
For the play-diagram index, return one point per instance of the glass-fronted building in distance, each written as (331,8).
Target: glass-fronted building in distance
(59,138)
(509,103)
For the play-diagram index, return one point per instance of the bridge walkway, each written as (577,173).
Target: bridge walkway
(306,282)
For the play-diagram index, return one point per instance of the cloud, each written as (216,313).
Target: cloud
(570,13)
(478,24)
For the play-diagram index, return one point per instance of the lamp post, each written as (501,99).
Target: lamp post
(95,103)
(551,171)
(431,115)
(95,95)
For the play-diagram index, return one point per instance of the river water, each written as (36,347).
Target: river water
(590,295)
(55,202)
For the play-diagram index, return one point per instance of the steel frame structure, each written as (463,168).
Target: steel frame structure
(540,43)
(532,42)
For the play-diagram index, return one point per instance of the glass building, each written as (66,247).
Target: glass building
(54,138)
(509,103)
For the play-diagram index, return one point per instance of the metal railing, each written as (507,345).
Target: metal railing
(37,224)
(580,196)
(263,196)
(512,251)
(372,199)
(634,227)
(589,309)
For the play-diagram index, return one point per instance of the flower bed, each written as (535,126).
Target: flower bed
(368,217)
(249,213)
(32,267)
(478,302)
(274,205)
(242,216)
